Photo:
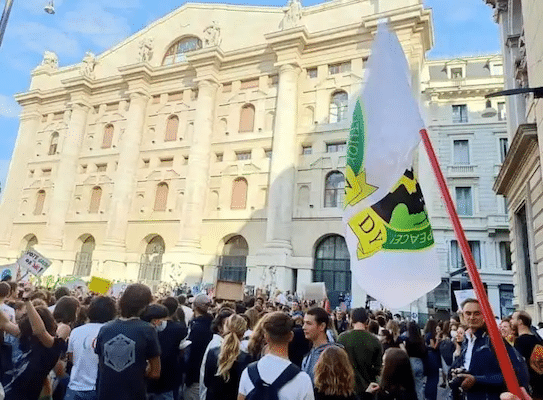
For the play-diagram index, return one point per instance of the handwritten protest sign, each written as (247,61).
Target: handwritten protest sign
(34,262)
(99,285)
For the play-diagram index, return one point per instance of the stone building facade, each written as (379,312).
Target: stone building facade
(520,179)
(209,144)
(471,147)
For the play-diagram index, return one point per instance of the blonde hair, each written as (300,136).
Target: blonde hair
(257,341)
(394,328)
(235,327)
(334,375)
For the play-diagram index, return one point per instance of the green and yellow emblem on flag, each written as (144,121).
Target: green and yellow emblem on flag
(387,226)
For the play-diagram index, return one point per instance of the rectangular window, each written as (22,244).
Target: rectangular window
(457,73)
(525,269)
(505,256)
(312,72)
(227,87)
(460,113)
(175,96)
(145,163)
(461,152)
(101,167)
(166,162)
(58,116)
(268,153)
(502,114)
(248,84)
(112,107)
(504,145)
(306,150)
(156,99)
(464,201)
(273,80)
(339,68)
(340,147)
(456,259)
(218,157)
(46,172)
(243,155)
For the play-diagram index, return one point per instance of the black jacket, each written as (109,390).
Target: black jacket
(200,335)
(217,388)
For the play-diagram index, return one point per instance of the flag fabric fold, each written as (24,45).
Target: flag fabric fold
(387,227)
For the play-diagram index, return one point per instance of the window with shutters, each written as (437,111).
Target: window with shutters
(53,146)
(459,113)
(239,194)
(464,200)
(96,196)
(108,136)
(461,152)
(247,118)
(456,259)
(40,200)
(161,197)
(171,128)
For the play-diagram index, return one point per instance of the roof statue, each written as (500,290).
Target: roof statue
(212,35)
(50,60)
(146,49)
(293,15)
(88,64)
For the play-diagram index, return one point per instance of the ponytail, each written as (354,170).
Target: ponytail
(231,345)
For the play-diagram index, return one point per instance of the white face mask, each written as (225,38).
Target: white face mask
(453,334)
(160,327)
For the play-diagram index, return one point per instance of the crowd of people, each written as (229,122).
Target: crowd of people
(69,346)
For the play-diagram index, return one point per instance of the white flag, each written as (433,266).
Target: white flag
(388,231)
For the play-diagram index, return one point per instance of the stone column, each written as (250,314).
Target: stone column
(66,174)
(22,154)
(125,176)
(198,168)
(283,164)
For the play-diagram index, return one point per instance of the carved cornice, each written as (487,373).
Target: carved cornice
(525,139)
(288,45)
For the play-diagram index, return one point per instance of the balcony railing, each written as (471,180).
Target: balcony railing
(463,169)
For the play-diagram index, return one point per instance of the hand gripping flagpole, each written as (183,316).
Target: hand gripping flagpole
(495,336)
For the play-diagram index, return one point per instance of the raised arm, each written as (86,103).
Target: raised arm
(7,326)
(38,327)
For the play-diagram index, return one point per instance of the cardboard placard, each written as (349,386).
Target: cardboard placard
(34,262)
(118,289)
(315,291)
(462,295)
(225,290)
(99,285)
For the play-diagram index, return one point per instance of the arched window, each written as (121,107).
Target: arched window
(239,194)
(338,106)
(53,146)
(171,128)
(214,200)
(247,118)
(176,52)
(161,197)
(40,200)
(332,266)
(108,136)
(96,196)
(309,116)
(151,261)
(233,262)
(83,259)
(334,189)
(223,126)
(303,196)
(32,240)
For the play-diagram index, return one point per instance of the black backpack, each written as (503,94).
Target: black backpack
(265,391)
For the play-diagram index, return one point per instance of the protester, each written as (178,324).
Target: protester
(530,347)
(433,359)
(446,351)
(507,331)
(199,335)
(396,381)
(316,322)
(334,376)
(364,350)
(182,299)
(5,292)
(274,369)
(416,350)
(300,346)
(224,364)
(481,377)
(81,353)
(128,349)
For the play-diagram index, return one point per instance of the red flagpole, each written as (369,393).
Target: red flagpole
(495,336)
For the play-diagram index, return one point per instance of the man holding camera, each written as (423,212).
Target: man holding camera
(477,371)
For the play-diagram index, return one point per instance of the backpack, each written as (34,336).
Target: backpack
(265,391)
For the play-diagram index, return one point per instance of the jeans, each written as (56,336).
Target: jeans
(160,396)
(418,375)
(80,395)
(192,392)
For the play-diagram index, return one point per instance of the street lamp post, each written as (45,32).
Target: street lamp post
(4,20)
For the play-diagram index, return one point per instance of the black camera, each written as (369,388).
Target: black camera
(456,380)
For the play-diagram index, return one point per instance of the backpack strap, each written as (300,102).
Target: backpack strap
(254,376)
(286,376)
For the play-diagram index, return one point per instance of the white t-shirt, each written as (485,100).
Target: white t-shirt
(85,369)
(10,312)
(188,314)
(269,368)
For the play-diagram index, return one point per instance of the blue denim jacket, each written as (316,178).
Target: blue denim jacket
(485,368)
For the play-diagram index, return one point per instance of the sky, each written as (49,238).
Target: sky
(96,25)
